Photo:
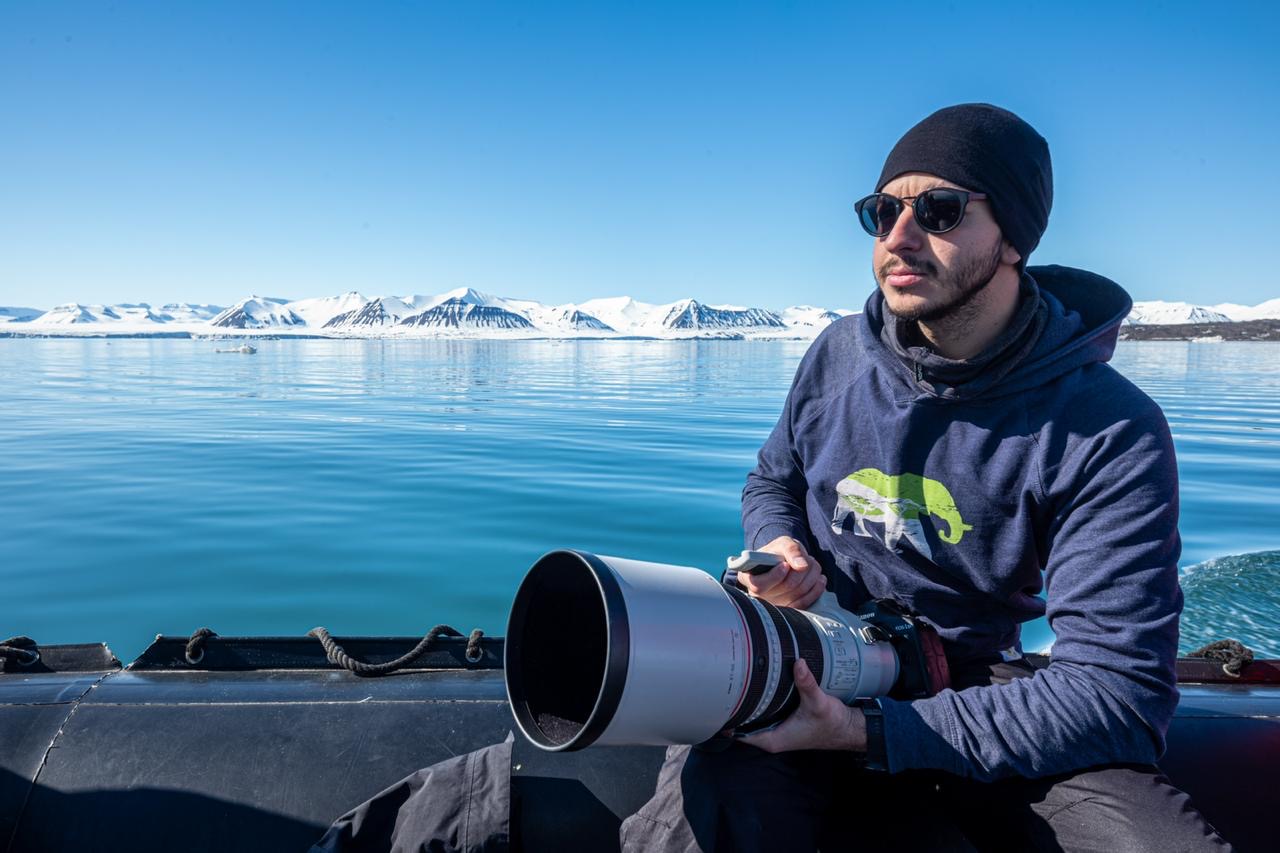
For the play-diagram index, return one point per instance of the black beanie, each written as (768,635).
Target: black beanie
(985,149)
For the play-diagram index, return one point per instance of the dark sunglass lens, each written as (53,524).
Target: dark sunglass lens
(877,213)
(939,210)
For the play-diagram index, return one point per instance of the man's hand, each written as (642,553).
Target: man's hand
(797,581)
(821,722)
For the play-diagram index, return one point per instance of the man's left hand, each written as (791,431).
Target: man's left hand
(821,722)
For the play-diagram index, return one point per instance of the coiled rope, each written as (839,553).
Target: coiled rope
(23,650)
(195,646)
(338,656)
(1235,655)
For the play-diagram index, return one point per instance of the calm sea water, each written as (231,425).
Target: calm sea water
(381,487)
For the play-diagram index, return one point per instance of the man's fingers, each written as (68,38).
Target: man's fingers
(808,588)
(794,582)
(805,682)
(795,556)
(767,582)
(819,587)
(761,740)
(791,551)
(786,587)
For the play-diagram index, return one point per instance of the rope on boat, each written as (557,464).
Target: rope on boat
(21,649)
(338,656)
(1234,655)
(195,646)
(334,652)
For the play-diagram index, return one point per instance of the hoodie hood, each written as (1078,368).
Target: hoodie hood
(1067,318)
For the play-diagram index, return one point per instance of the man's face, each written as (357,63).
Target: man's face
(931,277)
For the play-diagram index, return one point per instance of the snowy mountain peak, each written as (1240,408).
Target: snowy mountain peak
(458,313)
(1269,310)
(383,311)
(188,312)
(580,320)
(612,303)
(320,310)
(809,316)
(690,314)
(257,312)
(1165,313)
(418,301)
(14,314)
(621,312)
(468,296)
(74,312)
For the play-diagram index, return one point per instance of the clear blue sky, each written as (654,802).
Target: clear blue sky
(179,151)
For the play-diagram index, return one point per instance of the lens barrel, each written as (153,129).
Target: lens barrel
(607,650)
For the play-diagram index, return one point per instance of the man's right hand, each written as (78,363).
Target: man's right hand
(797,581)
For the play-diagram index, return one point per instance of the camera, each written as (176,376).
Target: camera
(606,650)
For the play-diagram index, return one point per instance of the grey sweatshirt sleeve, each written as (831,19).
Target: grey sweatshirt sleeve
(1113,603)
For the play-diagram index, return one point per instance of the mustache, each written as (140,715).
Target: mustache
(907,264)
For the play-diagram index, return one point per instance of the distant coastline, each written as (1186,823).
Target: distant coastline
(270,334)
(1243,330)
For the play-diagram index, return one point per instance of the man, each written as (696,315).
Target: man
(961,447)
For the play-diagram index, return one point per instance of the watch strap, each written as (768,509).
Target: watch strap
(876,756)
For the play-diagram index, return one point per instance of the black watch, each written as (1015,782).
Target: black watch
(876,757)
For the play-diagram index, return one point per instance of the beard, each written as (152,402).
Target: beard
(960,287)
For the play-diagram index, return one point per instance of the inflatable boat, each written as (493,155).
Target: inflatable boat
(259,743)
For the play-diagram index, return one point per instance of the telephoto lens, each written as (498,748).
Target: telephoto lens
(605,650)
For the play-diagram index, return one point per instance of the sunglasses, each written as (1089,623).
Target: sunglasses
(937,210)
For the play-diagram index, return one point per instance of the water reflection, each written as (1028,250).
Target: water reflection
(382,486)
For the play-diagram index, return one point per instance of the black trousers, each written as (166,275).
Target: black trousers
(747,800)
(743,799)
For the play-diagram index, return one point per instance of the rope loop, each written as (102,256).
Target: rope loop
(339,657)
(1235,655)
(195,646)
(22,649)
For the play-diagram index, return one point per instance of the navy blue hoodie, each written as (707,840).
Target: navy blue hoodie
(965,490)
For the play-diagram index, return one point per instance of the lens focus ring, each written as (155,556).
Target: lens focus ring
(811,649)
(758,657)
(786,681)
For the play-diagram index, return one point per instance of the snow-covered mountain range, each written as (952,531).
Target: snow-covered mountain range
(74,314)
(462,312)
(465,312)
(1159,313)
